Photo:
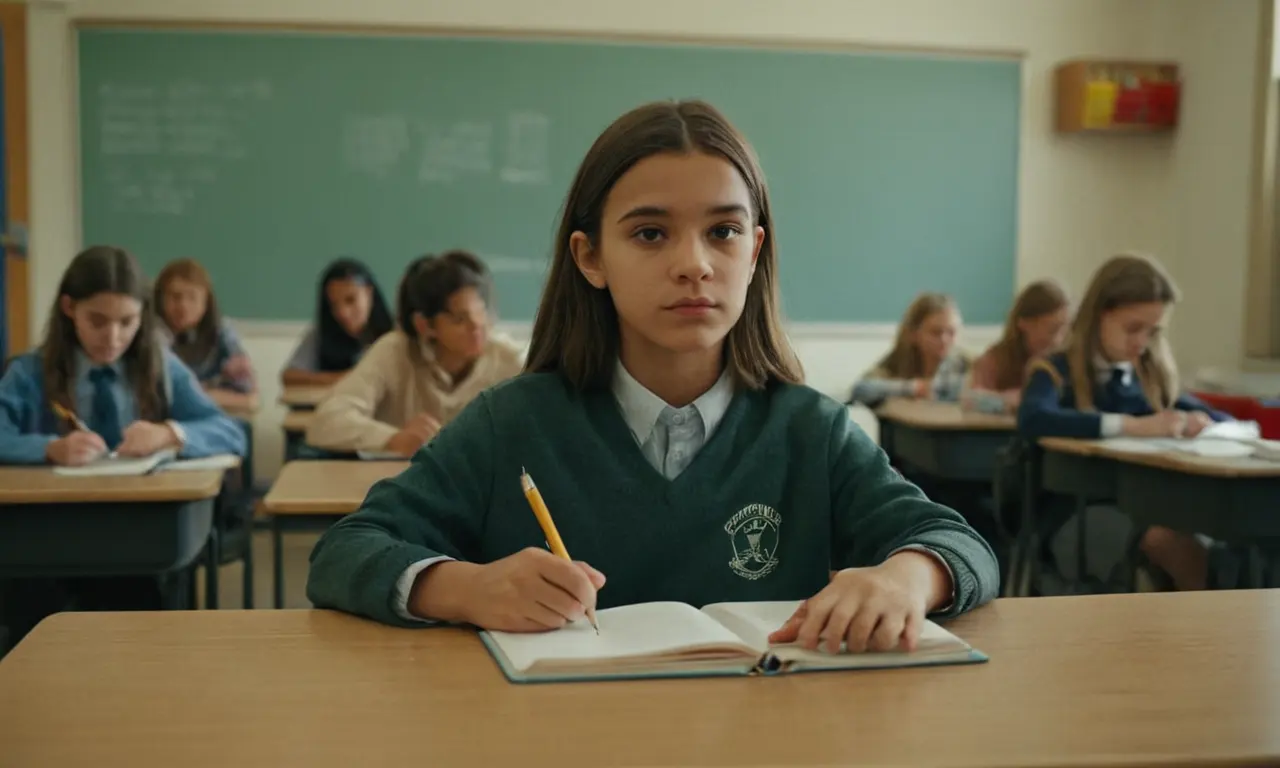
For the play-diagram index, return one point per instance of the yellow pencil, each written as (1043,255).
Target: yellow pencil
(63,413)
(549,528)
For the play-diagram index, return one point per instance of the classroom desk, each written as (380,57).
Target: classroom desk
(57,526)
(305,397)
(943,440)
(295,432)
(1154,679)
(312,494)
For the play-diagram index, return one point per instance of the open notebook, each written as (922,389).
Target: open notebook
(162,461)
(678,640)
(1222,440)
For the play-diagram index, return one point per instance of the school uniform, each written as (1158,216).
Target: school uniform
(946,385)
(1048,409)
(207,360)
(393,383)
(742,495)
(104,400)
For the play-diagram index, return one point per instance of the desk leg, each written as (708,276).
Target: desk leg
(277,549)
(213,558)
(247,599)
(1082,552)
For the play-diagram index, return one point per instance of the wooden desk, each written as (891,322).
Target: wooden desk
(52,526)
(303,397)
(312,494)
(942,440)
(1154,679)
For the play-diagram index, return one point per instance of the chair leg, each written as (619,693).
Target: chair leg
(213,558)
(277,547)
(247,602)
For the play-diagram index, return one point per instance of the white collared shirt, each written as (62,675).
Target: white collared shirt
(670,437)
(1112,423)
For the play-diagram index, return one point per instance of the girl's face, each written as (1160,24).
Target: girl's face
(936,335)
(1126,331)
(105,324)
(677,249)
(350,301)
(462,330)
(184,304)
(1045,333)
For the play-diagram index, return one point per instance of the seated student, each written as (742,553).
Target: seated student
(1036,326)
(351,314)
(663,417)
(210,347)
(924,362)
(414,380)
(1115,376)
(102,361)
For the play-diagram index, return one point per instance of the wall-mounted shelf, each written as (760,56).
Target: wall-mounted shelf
(1112,97)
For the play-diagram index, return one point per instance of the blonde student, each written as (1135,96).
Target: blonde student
(417,378)
(924,361)
(1116,376)
(199,335)
(1036,326)
(659,399)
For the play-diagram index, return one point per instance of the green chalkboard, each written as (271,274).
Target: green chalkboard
(264,155)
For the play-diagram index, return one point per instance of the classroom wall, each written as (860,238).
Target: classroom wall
(1080,198)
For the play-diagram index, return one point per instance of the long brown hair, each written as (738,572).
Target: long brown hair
(576,330)
(196,351)
(1124,280)
(904,360)
(105,269)
(1009,354)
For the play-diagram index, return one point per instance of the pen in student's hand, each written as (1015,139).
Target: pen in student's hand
(63,413)
(549,529)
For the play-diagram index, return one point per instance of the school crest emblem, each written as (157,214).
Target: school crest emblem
(753,531)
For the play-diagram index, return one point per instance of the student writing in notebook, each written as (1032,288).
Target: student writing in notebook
(351,314)
(924,362)
(663,415)
(1036,326)
(103,363)
(1116,376)
(201,337)
(420,376)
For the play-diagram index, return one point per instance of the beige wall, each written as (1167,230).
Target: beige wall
(1080,199)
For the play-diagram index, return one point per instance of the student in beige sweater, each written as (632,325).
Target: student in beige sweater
(414,380)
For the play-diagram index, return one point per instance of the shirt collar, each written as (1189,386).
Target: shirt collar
(1105,368)
(83,365)
(641,408)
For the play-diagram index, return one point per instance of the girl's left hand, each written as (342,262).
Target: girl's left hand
(143,438)
(238,368)
(1195,423)
(868,609)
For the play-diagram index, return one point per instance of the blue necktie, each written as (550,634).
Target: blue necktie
(105,419)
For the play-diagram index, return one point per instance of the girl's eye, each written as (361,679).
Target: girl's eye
(648,234)
(725,231)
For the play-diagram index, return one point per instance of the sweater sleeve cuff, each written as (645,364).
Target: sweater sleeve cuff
(404,588)
(1112,425)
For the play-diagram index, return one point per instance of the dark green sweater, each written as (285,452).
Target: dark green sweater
(787,489)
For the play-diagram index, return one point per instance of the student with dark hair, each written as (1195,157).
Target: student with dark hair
(417,378)
(664,418)
(351,314)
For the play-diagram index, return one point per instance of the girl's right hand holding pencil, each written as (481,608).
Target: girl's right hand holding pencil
(76,448)
(530,591)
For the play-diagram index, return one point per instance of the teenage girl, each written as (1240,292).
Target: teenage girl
(1036,326)
(201,338)
(663,418)
(351,314)
(924,362)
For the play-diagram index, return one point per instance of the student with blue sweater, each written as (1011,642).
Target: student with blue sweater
(103,361)
(663,417)
(1116,376)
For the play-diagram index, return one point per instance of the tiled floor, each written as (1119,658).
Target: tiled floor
(297,550)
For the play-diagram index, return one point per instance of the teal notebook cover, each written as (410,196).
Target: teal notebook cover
(763,664)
